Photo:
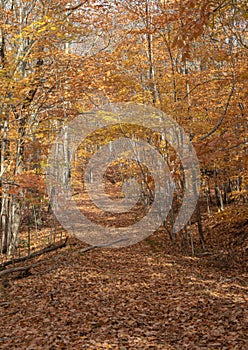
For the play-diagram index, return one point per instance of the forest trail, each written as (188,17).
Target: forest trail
(124,105)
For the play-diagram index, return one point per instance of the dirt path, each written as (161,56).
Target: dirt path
(131,298)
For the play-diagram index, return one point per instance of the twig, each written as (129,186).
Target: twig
(102,245)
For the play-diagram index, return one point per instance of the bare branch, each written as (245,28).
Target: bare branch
(222,117)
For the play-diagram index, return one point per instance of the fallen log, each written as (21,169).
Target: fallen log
(16,269)
(32,255)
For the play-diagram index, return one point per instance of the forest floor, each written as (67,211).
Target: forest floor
(145,296)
